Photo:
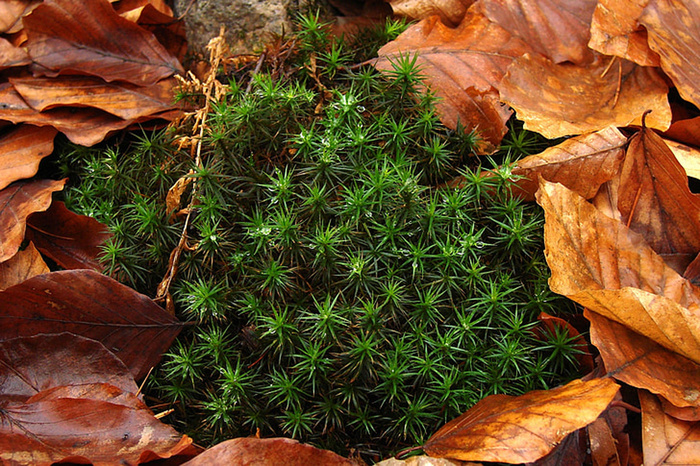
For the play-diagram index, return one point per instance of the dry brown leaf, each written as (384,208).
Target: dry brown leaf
(615,31)
(674,34)
(451,12)
(92,305)
(687,156)
(17,202)
(11,56)
(132,9)
(557,29)
(21,151)
(423,460)
(73,241)
(602,444)
(11,13)
(22,266)
(667,441)
(251,450)
(686,131)
(524,428)
(123,100)
(464,66)
(638,361)
(70,37)
(561,100)
(581,163)
(604,266)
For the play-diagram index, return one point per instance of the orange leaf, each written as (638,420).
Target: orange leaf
(674,35)
(73,37)
(557,29)
(615,31)
(604,266)
(561,100)
(123,100)
(638,361)
(464,66)
(17,202)
(686,131)
(524,428)
(451,12)
(687,156)
(581,163)
(21,150)
(667,440)
(22,266)
(73,241)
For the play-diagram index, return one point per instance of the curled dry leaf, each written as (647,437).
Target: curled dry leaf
(21,150)
(73,241)
(451,12)
(22,266)
(464,67)
(252,451)
(638,361)
(687,156)
(685,131)
(11,13)
(581,163)
(41,362)
(66,36)
(674,34)
(12,56)
(557,29)
(123,100)
(604,266)
(17,202)
(667,441)
(577,99)
(602,444)
(92,305)
(615,30)
(524,428)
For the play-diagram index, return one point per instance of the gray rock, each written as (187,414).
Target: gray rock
(249,23)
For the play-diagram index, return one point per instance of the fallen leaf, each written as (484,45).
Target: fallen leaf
(11,56)
(557,29)
(581,163)
(565,99)
(524,428)
(252,451)
(451,12)
(464,67)
(687,413)
(687,156)
(17,202)
(615,30)
(655,200)
(667,440)
(606,267)
(11,13)
(423,460)
(25,264)
(21,151)
(92,305)
(73,241)
(686,131)
(674,35)
(572,451)
(123,100)
(602,444)
(132,9)
(639,362)
(30,365)
(68,36)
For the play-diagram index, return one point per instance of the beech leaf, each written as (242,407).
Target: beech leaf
(451,12)
(92,305)
(665,440)
(26,264)
(524,428)
(21,151)
(12,56)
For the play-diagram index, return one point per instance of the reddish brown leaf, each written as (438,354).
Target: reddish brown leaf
(12,56)
(84,430)
(123,100)
(523,428)
(686,131)
(92,305)
(22,266)
(451,12)
(73,241)
(601,264)
(654,198)
(11,13)
(464,66)
(687,156)
(638,361)
(576,99)
(70,37)
(133,9)
(21,150)
(29,365)
(557,29)
(572,451)
(17,202)
(603,449)
(157,17)
(615,31)
(581,163)
(423,460)
(667,441)
(252,451)
(674,35)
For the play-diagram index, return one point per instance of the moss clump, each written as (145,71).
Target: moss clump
(341,295)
